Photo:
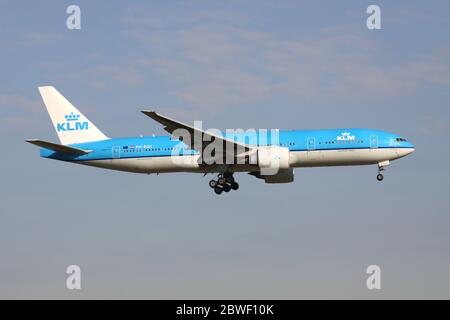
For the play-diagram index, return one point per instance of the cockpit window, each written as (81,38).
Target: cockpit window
(400,140)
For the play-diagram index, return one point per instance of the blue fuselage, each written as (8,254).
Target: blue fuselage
(294,140)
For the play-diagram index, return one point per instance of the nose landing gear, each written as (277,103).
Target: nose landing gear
(381,166)
(225,183)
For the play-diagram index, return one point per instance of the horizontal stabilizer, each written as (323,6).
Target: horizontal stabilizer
(57,147)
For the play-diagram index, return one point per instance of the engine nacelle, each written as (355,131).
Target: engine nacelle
(283,176)
(271,159)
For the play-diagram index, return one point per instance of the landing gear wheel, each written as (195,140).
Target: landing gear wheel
(229,179)
(224,182)
(213,183)
(226,187)
(380,177)
(234,185)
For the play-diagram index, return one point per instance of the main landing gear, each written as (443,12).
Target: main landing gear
(224,183)
(381,166)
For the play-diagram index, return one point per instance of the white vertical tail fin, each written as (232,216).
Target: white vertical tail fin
(70,124)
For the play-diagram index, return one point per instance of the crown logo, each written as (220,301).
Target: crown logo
(72,117)
(345,134)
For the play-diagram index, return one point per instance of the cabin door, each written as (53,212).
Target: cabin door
(116,152)
(373,142)
(311,144)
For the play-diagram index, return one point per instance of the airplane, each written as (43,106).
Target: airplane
(83,143)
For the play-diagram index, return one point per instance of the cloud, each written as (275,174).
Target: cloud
(18,111)
(101,76)
(36,38)
(136,18)
(12,101)
(218,62)
(122,74)
(218,65)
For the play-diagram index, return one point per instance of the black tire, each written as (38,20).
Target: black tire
(221,181)
(230,179)
(234,185)
(226,187)
(380,177)
(218,190)
(212,183)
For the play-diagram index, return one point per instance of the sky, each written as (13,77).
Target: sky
(233,64)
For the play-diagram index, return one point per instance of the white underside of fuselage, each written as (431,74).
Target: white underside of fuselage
(314,158)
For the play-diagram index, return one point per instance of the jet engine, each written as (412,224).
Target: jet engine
(283,176)
(271,159)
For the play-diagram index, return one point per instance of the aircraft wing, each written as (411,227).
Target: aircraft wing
(57,147)
(170,125)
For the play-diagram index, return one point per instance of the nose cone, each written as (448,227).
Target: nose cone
(410,150)
(403,152)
